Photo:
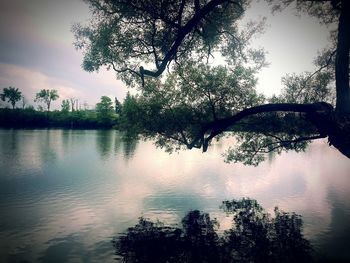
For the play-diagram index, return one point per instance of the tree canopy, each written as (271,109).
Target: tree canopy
(194,99)
(12,95)
(47,96)
(105,106)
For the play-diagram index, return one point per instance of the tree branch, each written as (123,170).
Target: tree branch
(183,32)
(217,127)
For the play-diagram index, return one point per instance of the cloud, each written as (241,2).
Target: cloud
(37,52)
(29,82)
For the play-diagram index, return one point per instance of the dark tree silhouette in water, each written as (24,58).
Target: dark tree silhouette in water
(194,102)
(255,236)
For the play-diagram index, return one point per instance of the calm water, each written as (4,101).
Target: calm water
(64,194)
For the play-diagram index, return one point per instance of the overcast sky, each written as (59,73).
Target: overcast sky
(36,50)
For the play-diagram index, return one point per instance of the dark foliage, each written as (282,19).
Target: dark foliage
(30,118)
(255,236)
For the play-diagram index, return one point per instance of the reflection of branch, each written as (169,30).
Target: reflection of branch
(253,149)
(216,127)
(281,142)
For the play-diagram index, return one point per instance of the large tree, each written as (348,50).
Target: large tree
(47,96)
(12,95)
(105,106)
(195,102)
(105,111)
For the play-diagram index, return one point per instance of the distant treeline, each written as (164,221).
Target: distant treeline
(105,115)
(135,116)
(30,118)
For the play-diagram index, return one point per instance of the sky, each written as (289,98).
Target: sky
(37,51)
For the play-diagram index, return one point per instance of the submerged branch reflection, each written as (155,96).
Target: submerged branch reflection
(255,236)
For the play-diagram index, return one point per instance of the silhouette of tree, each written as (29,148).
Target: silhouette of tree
(188,101)
(46,96)
(255,236)
(12,95)
(65,106)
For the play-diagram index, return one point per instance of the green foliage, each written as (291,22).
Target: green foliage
(127,34)
(301,89)
(313,87)
(325,11)
(251,148)
(259,135)
(46,96)
(131,116)
(105,111)
(12,95)
(65,106)
(117,106)
(30,118)
(255,236)
(105,106)
(187,99)
(258,237)
(196,100)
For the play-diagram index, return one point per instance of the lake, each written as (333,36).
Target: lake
(64,194)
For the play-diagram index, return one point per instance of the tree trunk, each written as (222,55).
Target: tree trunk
(342,60)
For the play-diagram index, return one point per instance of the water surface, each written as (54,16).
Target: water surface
(65,193)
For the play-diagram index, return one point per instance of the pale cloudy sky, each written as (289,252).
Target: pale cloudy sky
(36,50)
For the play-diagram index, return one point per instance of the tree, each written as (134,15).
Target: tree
(24,101)
(65,106)
(171,30)
(105,106)
(74,102)
(12,95)
(105,111)
(46,96)
(255,236)
(117,106)
(131,115)
(132,35)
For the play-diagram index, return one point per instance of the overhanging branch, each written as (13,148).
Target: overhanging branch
(183,32)
(219,126)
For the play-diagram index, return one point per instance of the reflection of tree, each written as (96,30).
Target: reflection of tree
(48,151)
(104,142)
(255,236)
(129,145)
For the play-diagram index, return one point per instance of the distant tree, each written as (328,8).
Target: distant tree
(73,101)
(40,108)
(12,95)
(65,106)
(131,114)
(118,106)
(105,111)
(86,105)
(24,101)
(46,96)
(105,106)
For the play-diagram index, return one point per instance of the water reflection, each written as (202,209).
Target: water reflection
(338,232)
(129,145)
(71,204)
(255,236)
(104,142)
(108,141)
